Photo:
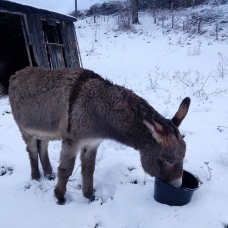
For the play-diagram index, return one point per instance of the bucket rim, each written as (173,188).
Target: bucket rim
(183,189)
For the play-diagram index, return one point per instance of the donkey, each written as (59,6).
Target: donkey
(81,108)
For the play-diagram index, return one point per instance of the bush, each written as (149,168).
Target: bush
(106,8)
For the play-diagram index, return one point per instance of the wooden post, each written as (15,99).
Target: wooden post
(216,30)
(95,33)
(76,8)
(78,50)
(154,15)
(172,14)
(199,23)
(27,40)
(172,20)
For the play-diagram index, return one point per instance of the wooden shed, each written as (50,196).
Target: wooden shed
(35,37)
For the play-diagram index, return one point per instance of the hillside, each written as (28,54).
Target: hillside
(163,65)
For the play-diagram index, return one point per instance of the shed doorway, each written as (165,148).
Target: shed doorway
(13,53)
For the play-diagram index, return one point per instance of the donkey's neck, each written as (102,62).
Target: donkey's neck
(110,111)
(120,115)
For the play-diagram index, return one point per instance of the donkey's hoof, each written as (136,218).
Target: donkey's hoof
(61,200)
(50,176)
(35,175)
(89,194)
(93,198)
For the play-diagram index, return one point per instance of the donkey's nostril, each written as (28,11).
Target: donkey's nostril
(176,183)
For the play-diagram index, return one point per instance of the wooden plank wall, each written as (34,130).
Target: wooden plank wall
(56,56)
(66,56)
(70,45)
(37,40)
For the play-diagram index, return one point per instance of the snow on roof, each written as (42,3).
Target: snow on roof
(17,7)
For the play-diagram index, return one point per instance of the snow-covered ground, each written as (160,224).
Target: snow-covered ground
(163,67)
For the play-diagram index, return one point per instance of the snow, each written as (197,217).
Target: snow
(163,67)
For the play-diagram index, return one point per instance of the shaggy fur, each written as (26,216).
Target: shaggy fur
(81,108)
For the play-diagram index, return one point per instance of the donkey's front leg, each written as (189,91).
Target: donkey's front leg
(88,157)
(67,161)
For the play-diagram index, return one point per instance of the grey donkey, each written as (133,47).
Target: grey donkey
(81,108)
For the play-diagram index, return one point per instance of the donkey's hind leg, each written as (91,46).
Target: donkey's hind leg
(88,157)
(44,158)
(32,149)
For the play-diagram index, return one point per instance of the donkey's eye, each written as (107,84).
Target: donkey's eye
(167,161)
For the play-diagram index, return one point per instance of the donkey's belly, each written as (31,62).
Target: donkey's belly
(45,135)
(42,125)
(48,124)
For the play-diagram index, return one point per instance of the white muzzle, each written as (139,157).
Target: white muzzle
(176,183)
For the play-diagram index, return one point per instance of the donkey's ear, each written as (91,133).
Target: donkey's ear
(156,130)
(182,112)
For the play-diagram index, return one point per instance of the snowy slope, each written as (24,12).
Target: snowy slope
(162,67)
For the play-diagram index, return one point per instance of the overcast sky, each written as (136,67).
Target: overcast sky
(61,6)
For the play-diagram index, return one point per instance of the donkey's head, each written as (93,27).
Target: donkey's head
(165,160)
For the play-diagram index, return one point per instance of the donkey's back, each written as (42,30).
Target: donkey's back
(40,99)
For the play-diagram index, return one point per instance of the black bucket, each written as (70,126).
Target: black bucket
(167,194)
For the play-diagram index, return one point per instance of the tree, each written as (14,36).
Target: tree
(135,10)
